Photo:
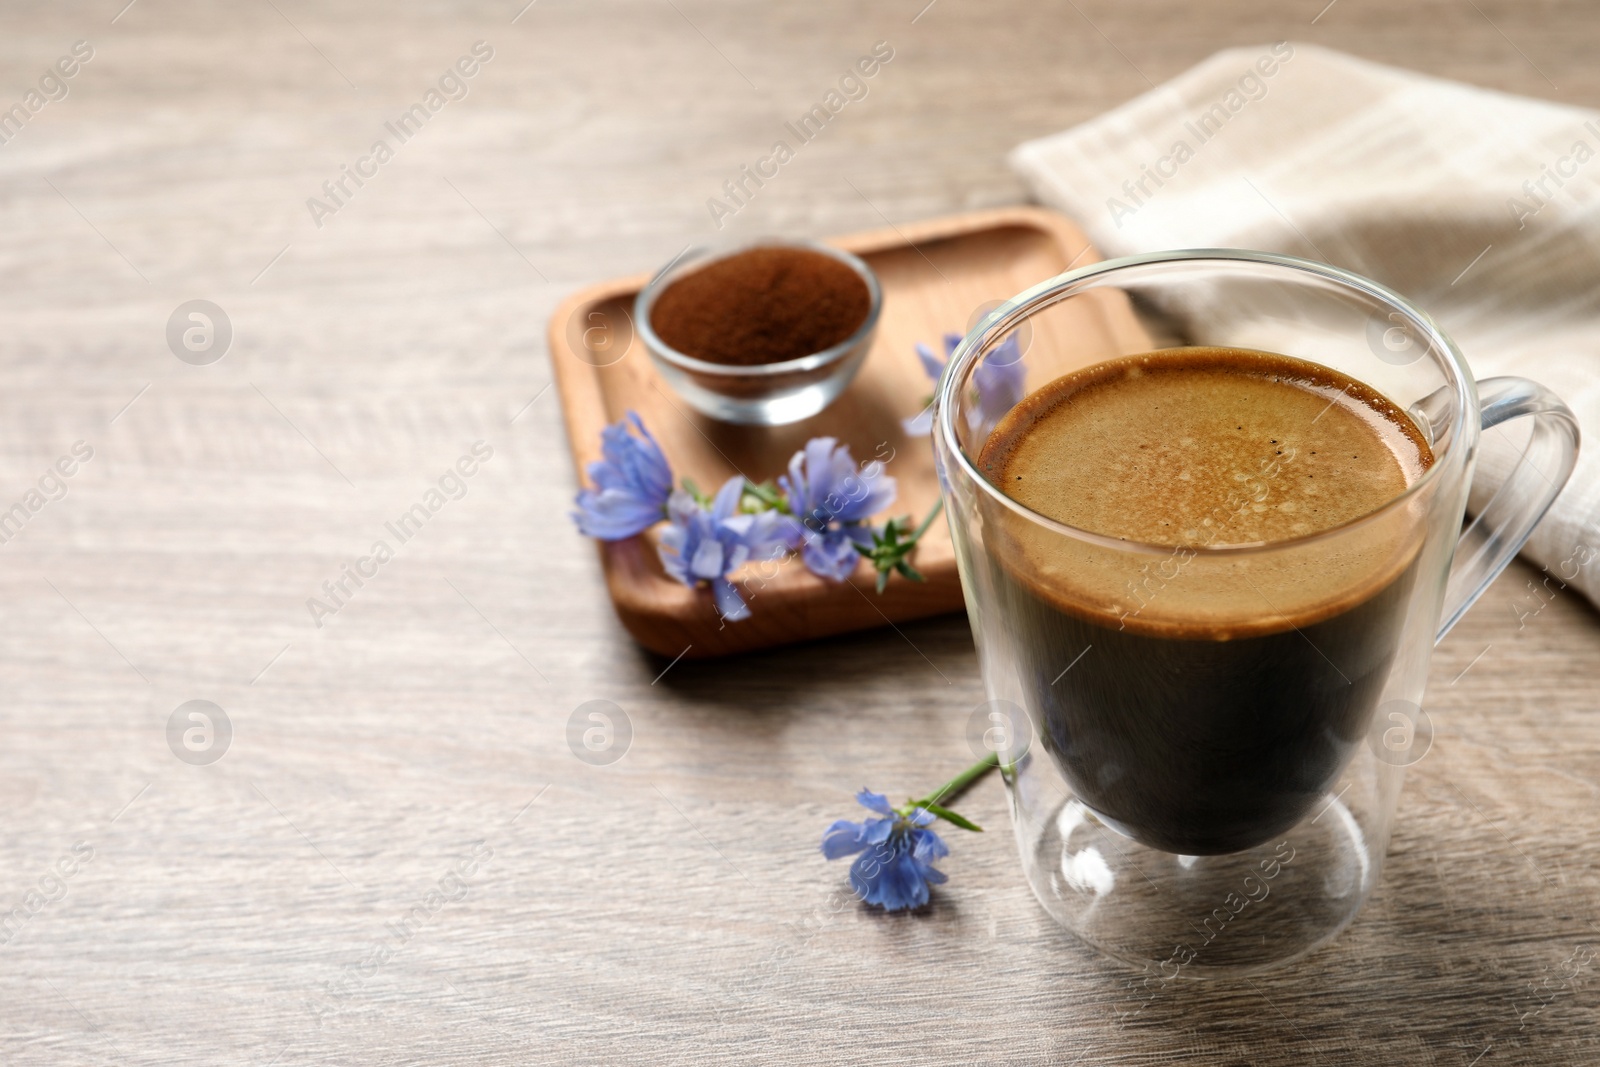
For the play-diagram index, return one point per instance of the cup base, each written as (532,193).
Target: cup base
(1198,916)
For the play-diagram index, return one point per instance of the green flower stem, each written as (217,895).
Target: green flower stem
(927,522)
(694,490)
(961,782)
(952,789)
(889,553)
(767,496)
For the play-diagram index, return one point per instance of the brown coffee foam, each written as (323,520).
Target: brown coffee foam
(1199,448)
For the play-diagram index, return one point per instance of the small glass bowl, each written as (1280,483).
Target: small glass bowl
(765,394)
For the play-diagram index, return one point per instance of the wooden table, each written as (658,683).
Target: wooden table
(399,859)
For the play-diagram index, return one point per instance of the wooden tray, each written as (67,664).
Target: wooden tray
(934,275)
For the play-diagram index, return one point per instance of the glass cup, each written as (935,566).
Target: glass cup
(1192,802)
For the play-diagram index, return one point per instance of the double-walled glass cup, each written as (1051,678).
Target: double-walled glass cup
(1204,743)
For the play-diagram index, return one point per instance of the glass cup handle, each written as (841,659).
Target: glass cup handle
(1502,525)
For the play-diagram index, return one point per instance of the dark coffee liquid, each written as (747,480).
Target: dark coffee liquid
(1217,699)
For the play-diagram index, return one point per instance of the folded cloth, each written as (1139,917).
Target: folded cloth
(1481,207)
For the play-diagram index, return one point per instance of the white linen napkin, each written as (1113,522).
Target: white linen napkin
(1483,208)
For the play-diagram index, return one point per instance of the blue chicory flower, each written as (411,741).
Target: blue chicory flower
(895,865)
(631,485)
(998,380)
(832,501)
(709,544)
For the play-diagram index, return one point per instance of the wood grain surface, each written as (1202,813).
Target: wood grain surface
(400,859)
